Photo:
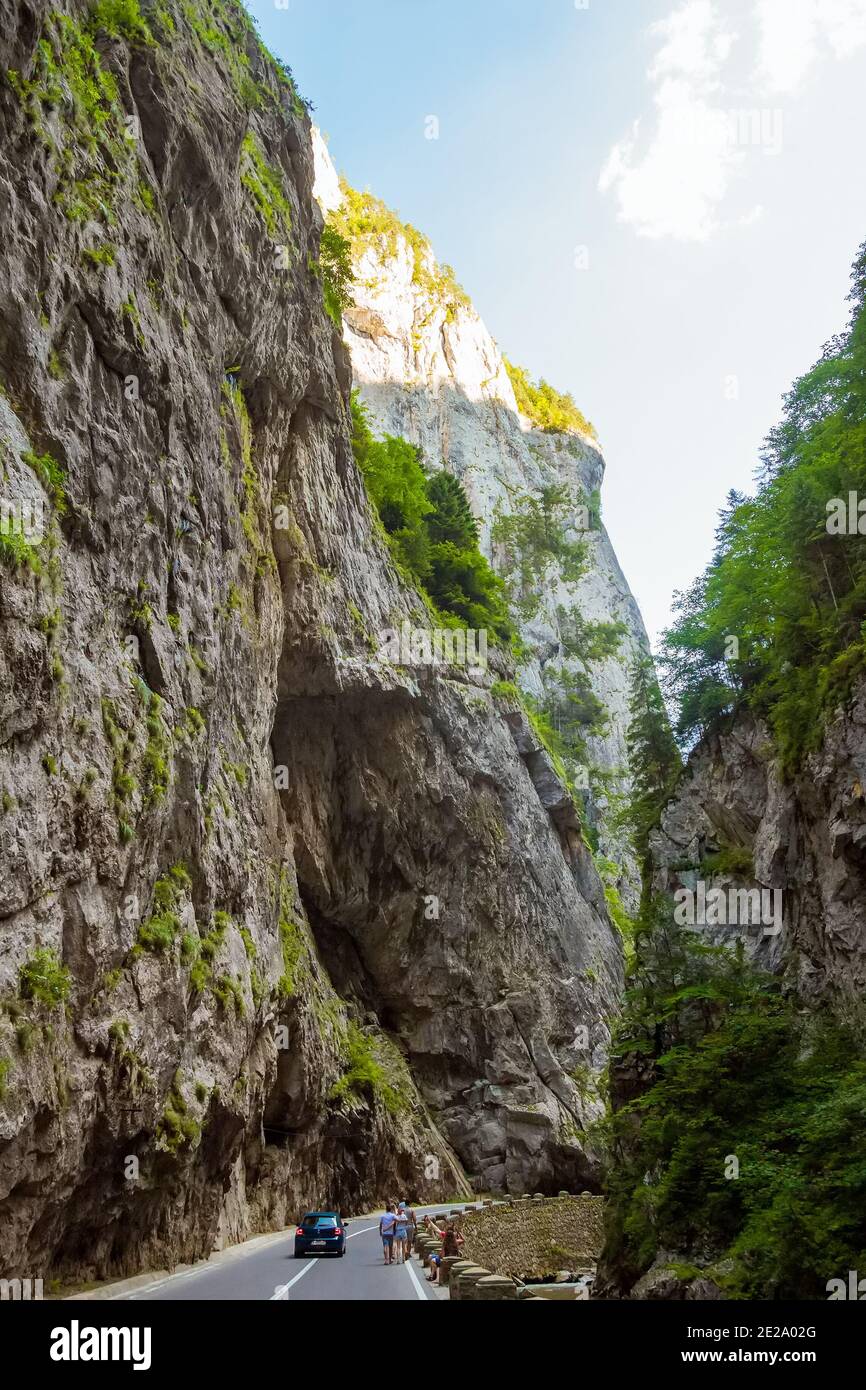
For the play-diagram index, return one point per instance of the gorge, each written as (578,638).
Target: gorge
(288,919)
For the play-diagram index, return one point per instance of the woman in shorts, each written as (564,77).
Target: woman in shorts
(401,1231)
(387,1226)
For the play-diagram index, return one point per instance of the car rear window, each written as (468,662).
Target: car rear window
(320,1221)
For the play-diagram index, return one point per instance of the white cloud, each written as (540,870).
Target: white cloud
(794,34)
(672,185)
(672,175)
(695,43)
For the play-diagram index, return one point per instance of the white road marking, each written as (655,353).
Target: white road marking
(237,1252)
(282,1290)
(419,1287)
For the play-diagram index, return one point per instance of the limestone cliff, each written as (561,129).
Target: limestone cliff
(804,836)
(279,924)
(429,371)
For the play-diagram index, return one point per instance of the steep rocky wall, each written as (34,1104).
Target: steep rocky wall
(736,824)
(806,837)
(429,371)
(223,822)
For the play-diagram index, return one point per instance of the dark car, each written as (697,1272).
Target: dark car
(321,1233)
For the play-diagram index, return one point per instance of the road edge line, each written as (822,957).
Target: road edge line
(419,1287)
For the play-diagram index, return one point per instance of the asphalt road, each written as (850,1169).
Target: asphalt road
(273,1273)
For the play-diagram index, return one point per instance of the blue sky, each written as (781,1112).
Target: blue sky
(707,154)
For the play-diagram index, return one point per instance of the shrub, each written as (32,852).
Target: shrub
(120,19)
(334,266)
(731,859)
(366,1071)
(44,978)
(367,223)
(545,407)
(16,553)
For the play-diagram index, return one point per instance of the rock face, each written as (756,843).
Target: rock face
(429,371)
(806,839)
(279,924)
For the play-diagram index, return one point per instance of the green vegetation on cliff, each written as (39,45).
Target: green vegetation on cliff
(374,1067)
(546,407)
(654,762)
(737,1139)
(44,978)
(366,223)
(535,536)
(787,581)
(747,1141)
(334,268)
(265,186)
(430,531)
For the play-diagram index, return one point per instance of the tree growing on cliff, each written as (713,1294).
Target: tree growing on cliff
(431,531)
(335,268)
(654,759)
(788,576)
(535,535)
(730,1068)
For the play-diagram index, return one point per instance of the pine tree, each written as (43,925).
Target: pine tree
(654,759)
(451,518)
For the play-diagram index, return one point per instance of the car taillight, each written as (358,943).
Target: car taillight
(338,1230)
(299,1231)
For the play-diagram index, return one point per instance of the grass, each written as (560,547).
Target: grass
(103,255)
(225,31)
(94,163)
(49,472)
(293,945)
(200,952)
(177,1129)
(264,184)
(44,979)
(229,992)
(370,1069)
(159,932)
(18,554)
(157,752)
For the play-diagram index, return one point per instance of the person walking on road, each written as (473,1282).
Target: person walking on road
(387,1225)
(401,1231)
